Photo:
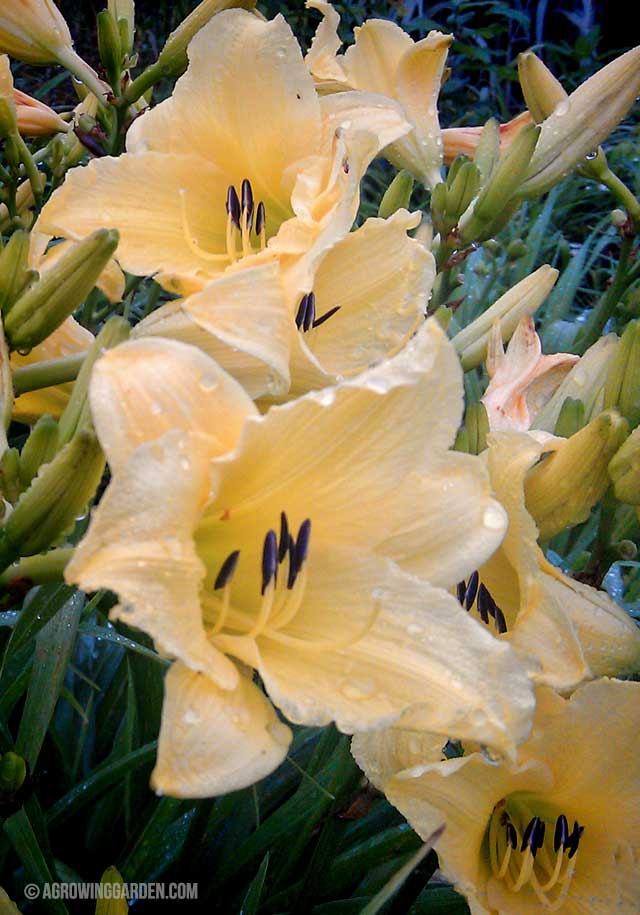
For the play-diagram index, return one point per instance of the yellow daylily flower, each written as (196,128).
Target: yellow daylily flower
(386,60)
(555,831)
(244,164)
(36,119)
(336,630)
(565,631)
(369,295)
(463,141)
(522,380)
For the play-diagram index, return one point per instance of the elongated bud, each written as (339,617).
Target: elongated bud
(523,299)
(8,122)
(59,493)
(624,470)
(40,448)
(562,489)
(33,30)
(123,13)
(542,91)
(570,419)
(77,414)
(622,387)
(111,902)
(578,124)
(35,119)
(462,189)
(10,475)
(397,196)
(476,423)
(109,47)
(15,274)
(61,290)
(6,391)
(497,201)
(13,772)
(173,57)
(487,152)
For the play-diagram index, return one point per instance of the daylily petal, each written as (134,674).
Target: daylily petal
(139,544)
(322,59)
(246,90)
(241,320)
(403,639)
(163,224)
(145,388)
(382,754)
(214,741)
(380,280)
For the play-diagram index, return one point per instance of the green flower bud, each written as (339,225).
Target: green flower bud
(6,391)
(571,418)
(622,387)
(43,308)
(462,189)
(123,13)
(516,249)
(49,507)
(109,47)
(487,154)
(542,91)
(15,274)
(40,448)
(476,423)
(397,196)
(8,123)
(13,771)
(561,489)
(624,470)
(9,475)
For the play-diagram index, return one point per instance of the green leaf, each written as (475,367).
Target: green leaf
(39,607)
(439,900)
(54,644)
(110,635)
(254,893)
(23,839)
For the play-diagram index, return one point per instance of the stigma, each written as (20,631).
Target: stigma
(526,851)
(474,595)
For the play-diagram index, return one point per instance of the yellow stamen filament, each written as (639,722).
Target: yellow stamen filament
(245,234)
(231,239)
(224,610)
(526,869)
(263,238)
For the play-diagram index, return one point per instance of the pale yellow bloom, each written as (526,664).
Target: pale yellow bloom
(202,482)
(384,59)
(463,141)
(572,795)
(35,118)
(522,379)
(368,296)
(564,630)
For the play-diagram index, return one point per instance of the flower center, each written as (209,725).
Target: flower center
(306,314)
(475,596)
(246,226)
(524,852)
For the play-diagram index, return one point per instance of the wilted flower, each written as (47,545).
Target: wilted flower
(268,540)
(555,831)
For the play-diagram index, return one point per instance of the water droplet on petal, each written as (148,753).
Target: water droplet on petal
(493,518)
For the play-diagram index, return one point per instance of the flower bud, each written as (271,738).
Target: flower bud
(25,201)
(173,57)
(542,91)
(15,274)
(487,153)
(570,419)
(622,387)
(476,424)
(7,101)
(33,30)
(6,391)
(40,448)
(523,299)
(397,196)
(10,475)
(36,119)
(123,13)
(13,772)
(580,122)
(561,489)
(624,470)
(58,494)
(40,310)
(109,46)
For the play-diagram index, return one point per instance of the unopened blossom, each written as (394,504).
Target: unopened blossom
(243,542)
(385,59)
(555,831)
(36,119)
(463,141)
(522,380)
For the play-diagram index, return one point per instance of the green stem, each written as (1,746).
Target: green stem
(608,303)
(623,195)
(46,374)
(30,167)
(86,74)
(142,83)
(39,569)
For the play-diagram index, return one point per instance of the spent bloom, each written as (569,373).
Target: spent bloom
(555,831)
(243,542)
(386,60)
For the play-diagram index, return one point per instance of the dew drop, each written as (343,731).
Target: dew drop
(208,383)
(493,518)
(414,629)
(185,464)
(357,689)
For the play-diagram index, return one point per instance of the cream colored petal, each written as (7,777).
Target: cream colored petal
(380,279)
(322,60)
(371,112)
(609,637)
(347,447)
(215,741)
(246,324)
(69,339)
(398,642)
(383,754)
(147,387)
(169,211)
(246,103)
(372,62)
(139,545)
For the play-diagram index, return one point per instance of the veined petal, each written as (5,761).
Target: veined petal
(398,642)
(403,745)
(168,209)
(246,90)
(322,58)
(147,387)
(380,279)
(372,61)
(371,112)
(139,544)
(241,320)
(214,741)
